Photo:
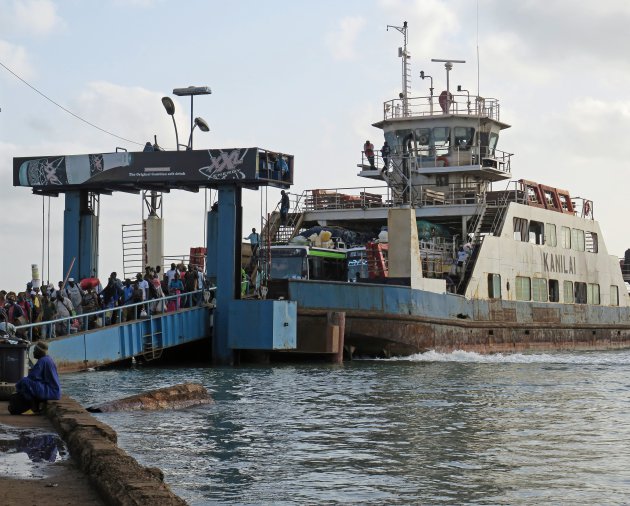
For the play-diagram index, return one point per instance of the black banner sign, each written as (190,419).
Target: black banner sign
(204,168)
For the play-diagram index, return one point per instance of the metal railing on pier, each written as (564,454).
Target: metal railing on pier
(96,320)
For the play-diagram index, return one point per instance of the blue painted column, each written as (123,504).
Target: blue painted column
(71,233)
(80,236)
(228,259)
(212,233)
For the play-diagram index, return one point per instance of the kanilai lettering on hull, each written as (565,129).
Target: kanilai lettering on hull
(559,263)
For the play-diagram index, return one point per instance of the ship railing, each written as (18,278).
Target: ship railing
(516,192)
(584,208)
(381,196)
(341,198)
(463,105)
(95,320)
(443,157)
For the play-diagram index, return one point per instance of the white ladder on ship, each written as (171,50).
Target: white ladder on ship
(133,249)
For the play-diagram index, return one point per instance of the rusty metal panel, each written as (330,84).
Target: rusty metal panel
(546,314)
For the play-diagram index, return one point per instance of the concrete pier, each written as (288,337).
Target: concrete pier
(99,473)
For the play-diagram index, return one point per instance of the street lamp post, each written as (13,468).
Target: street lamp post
(191,91)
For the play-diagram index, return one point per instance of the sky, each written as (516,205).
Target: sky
(306,78)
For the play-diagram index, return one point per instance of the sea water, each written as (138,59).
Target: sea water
(434,428)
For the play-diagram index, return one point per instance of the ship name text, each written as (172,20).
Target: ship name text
(559,263)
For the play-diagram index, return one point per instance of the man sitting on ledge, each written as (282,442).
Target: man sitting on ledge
(41,384)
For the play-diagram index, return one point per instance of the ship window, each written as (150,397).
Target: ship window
(441,140)
(401,138)
(592,245)
(520,229)
(568,292)
(441,180)
(523,288)
(614,295)
(536,232)
(493,143)
(423,138)
(565,234)
(464,137)
(554,290)
(550,235)
(592,293)
(539,289)
(580,293)
(577,239)
(494,286)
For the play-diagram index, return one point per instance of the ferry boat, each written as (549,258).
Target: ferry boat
(474,260)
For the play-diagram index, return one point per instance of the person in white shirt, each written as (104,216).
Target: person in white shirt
(170,274)
(143,284)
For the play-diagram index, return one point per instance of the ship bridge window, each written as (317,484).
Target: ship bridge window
(614,295)
(592,293)
(520,229)
(577,239)
(523,288)
(592,245)
(423,138)
(464,137)
(536,232)
(565,234)
(568,297)
(580,292)
(554,290)
(539,290)
(398,140)
(494,286)
(550,235)
(441,140)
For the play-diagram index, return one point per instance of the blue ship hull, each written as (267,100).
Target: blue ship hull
(387,320)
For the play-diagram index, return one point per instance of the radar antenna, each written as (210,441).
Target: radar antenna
(448,65)
(406,70)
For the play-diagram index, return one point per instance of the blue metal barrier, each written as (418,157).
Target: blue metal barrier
(144,331)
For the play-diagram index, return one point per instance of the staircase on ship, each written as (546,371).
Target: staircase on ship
(276,232)
(488,221)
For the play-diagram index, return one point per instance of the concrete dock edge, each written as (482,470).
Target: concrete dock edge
(118,477)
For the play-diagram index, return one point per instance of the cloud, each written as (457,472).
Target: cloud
(16,59)
(35,17)
(555,30)
(342,42)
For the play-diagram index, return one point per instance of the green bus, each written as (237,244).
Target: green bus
(305,262)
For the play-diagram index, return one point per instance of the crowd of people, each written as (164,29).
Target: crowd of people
(127,300)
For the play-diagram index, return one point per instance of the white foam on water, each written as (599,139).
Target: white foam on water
(620,357)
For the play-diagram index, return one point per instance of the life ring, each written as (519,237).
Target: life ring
(442,159)
(587,208)
(445,100)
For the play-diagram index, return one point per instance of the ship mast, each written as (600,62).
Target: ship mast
(406,70)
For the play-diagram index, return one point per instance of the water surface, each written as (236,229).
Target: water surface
(456,428)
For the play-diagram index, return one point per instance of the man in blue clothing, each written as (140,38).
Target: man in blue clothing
(254,240)
(41,384)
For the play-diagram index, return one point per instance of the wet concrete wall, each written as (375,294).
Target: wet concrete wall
(118,477)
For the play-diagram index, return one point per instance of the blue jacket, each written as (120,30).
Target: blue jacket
(42,382)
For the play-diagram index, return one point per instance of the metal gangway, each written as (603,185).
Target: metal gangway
(139,330)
